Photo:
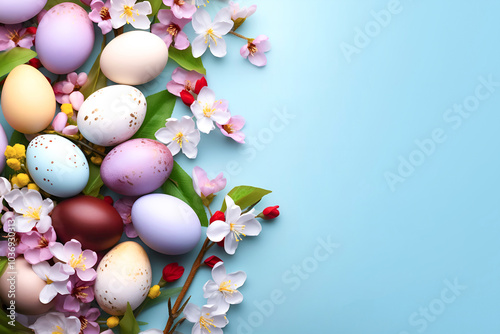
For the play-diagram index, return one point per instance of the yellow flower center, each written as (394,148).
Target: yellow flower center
(104,12)
(33,213)
(48,280)
(206,323)
(179,2)
(77,262)
(128,11)
(228,127)
(237,231)
(225,287)
(208,111)
(58,330)
(173,29)
(179,138)
(43,242)
(14,36)
(210,34)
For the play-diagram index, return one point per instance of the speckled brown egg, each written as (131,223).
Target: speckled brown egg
(123,275)
(137,167)
(92,221)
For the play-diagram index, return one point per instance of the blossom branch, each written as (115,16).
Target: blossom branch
(241,36)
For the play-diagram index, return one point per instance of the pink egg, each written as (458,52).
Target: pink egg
(137,167)
(65,38)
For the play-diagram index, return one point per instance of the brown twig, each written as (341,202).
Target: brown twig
(241,36)
(174,311)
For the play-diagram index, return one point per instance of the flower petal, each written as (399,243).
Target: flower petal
(217,231)
(192,313)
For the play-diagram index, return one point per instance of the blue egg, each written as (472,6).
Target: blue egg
(166,224)
(57,165)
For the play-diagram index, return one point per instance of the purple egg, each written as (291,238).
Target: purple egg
(17,11)
(64,38)
(137,167)
(3,146)
(166,224)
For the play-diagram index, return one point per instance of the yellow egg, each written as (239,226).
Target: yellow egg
(20,287)
(28,101)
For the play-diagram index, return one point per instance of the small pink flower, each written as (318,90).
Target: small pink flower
(38,245)
(232,129)
(100,15)
(181,9)
(60,125)
(240,13)
(183,80)
(170,29)
(205,187)
(75,260)
(13,35)
(79,292)
(254,50)
(124,208)
(67,91)
(88,319)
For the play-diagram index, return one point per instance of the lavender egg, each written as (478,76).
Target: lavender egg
(3,146)
(17,11)
(137,167)
(166,224)
(65,38)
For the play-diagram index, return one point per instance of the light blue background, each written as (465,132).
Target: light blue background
(397,250)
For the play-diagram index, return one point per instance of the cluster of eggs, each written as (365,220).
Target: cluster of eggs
(133,167)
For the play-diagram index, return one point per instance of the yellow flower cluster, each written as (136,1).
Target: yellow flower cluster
(154,291)
(16,159)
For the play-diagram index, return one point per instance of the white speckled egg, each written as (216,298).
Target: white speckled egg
(64,38)
(134,58)
(112,115)
(18,11)
(166,224)
(57,165)
(123,275)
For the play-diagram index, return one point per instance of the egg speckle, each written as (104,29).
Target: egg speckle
(123,275)
(112,115)
(57,165)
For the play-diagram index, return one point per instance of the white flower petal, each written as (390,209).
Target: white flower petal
(219,273)
(174,147)
(47,294)
(218,49)
(190,150)
(165,135)
(141,22)
(234,298)
(199,46)
(252,228)
(233,211)
(205,124)
(218,230)
(230,244)
(221,303)
(210,288)
(201,21)
(220,321)
(237,279)
(24,224)
(192,313)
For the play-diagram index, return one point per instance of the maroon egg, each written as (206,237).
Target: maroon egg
(90,220)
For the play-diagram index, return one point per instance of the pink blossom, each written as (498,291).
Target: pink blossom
(75,260)
(240,13)
(170,29)
(181,9)
(8,221)
(88,318)
(38,245)
(255,49)
(60,125)
(183,80)
(67,91)
(232,129)
(79,292)
(100,15)
(205,187)
(124,208)
(13,35)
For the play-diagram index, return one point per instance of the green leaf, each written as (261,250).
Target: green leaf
(160,107)
(95,183)
(16,138)
(13,57)
(52,3)
(155,6)
(245,196)
(3,264)
(128,324)
(186,60)
(96,79)
(9,326)
(180,185)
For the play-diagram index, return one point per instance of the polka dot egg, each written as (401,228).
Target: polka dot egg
(57,165)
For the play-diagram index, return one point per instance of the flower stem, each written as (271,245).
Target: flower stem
(196,265)
(241,36)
